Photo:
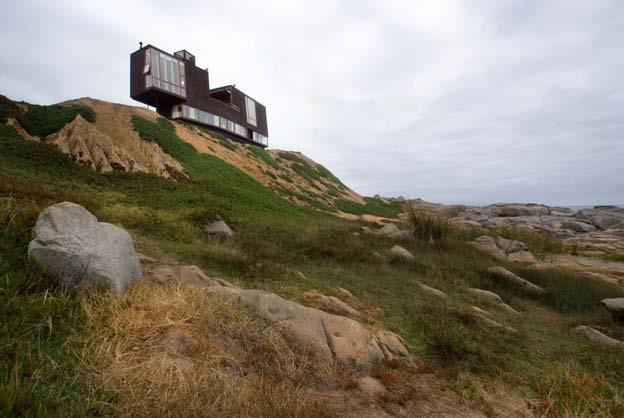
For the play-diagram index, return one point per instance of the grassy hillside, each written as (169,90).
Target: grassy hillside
(47,334)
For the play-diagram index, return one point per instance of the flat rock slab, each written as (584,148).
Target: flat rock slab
(598,337)
(491,297)
(325,335)
(432,291)
(70,243)
(506,275)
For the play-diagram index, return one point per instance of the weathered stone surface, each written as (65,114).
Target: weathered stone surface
(181,274)
(219,228)
(597,337)
(518,209)
(602,217)
(326,335)
(504,274)
(330,303)
(491,297)
(616,307)
(432,291)
(510,246)
(392,345)
(71,244)
(578,226)
(505,249)
(401,252)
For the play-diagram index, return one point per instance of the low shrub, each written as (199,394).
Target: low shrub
(46,120)
(428,226)
(263,155)
(372,207)
(8,109)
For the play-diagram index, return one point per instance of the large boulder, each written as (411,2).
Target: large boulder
(616,307)
(327,336)
(71,244)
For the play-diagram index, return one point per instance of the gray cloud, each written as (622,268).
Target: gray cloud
(450,101)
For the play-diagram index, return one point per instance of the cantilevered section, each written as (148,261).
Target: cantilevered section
(178,89)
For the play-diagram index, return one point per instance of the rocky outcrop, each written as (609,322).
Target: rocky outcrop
(616,307)
(327,336)
(71,244)
(500,273)
(598,337)
(401,252)
(87,145)
(505,249)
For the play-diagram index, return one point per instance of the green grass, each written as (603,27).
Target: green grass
(46,120)
(263,155)
(287,178)
(613,257)
(8,109)
(40,324)
(372,207)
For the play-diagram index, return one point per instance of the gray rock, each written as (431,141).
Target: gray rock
(71,244)
(401,252)
(616,307)
(602,217)
(504,274)
(432,291)
(510,246)
(325,335)
(578,226)
(219,228)
(598,337)
(491,297)
(518,209)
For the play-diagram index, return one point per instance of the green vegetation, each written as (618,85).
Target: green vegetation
(42,329)
(286,177)
(619,258)
(324,172)
(46,120)
(372,207)
(427,225)
(537,242)
(263,155)
(8,109)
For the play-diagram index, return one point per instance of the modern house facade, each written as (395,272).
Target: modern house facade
(178,89)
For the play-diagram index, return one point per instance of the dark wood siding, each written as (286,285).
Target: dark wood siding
(137,79)
(197,86)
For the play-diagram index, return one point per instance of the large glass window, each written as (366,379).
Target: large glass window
(165,72)
(250,105)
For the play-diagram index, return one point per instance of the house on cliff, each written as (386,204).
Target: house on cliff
(179,89)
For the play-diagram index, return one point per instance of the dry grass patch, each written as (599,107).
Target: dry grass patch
(176,352)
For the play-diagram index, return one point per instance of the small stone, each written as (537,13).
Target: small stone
(401,252)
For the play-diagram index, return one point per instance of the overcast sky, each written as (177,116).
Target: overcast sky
(450,101)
